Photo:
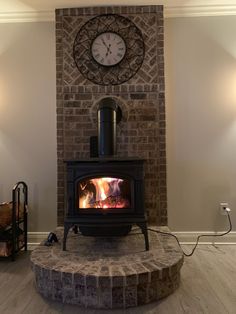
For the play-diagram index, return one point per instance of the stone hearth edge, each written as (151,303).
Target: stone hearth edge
(108,272)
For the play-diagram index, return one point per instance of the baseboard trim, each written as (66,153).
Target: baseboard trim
(185,237)
(35,238)
(190,237)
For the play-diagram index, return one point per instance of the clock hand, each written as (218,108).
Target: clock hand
(104,43)
(108,50)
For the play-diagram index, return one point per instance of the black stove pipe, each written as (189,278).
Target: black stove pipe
(107,119)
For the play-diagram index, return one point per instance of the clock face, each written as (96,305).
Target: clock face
(108,49)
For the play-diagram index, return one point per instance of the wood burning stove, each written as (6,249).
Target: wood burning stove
(105,196)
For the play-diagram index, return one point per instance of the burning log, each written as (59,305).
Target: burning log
(111,202)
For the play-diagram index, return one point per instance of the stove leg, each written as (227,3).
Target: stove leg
(143,227)
(66,230)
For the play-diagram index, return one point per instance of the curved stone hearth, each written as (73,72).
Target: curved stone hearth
(108,272)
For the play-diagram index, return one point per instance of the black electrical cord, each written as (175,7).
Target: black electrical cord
(198,238)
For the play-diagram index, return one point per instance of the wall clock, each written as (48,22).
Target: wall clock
(109,49)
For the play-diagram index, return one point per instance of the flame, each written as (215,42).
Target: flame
(86,199)
(101,187)
(107,194)
(105,187)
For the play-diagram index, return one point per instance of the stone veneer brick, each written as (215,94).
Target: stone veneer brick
(108,273)
(142,99)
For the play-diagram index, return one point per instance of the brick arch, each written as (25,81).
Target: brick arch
(122,103)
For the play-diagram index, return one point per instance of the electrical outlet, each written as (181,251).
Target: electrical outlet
(223,207)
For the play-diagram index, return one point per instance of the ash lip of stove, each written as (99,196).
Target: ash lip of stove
(105,197)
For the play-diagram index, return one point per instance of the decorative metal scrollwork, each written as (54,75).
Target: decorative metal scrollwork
(113,74)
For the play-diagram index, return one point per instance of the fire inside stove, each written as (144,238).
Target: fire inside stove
(105,193)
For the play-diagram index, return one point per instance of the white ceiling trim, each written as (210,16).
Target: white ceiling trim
(27,16)
(169,12)
(199,10)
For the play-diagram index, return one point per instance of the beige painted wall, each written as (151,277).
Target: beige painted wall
(28,117)
(201,121)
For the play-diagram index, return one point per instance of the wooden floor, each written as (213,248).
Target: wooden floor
(208,285)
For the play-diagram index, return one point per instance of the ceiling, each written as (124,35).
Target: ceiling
(43,10)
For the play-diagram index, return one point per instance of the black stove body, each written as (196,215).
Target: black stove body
(105,196)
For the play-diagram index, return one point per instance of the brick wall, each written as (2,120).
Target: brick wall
(142,100)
